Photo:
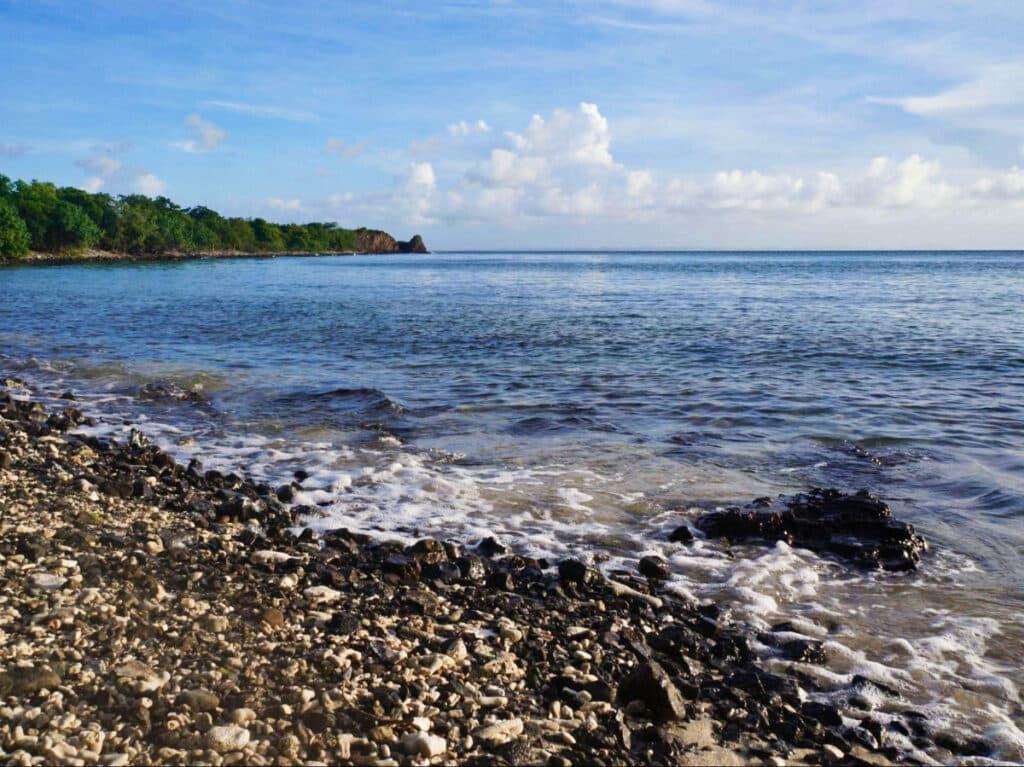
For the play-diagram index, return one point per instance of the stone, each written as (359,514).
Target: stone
(28,681)
(857,528)
(226,738)
(499,732)
(273,617)
(651,684)
(140,677)
(472,567)
(199,700)
(46,582)
(491,547)
(423,744)
(654,567)
(321,594)
(575,571)
(266,557)
(682,534)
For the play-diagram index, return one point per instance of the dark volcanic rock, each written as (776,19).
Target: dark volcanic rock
(654,567)
(858,528)
(682,534)
(415,245)
(651,684)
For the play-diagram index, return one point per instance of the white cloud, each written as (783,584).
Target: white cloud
(207,135)
(14,150)
(264,110)
(561,168)
(102,165)
(462,128)
(995,87)
(287,205)
(580,137)
(149,185)
(342,148)
(93,184)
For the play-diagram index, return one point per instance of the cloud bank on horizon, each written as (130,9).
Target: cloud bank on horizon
(615,123)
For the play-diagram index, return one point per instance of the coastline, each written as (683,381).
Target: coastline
(160,613)
(106,256)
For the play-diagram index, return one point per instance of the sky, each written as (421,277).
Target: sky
(606,124)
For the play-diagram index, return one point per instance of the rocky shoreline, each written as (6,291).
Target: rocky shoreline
(371,242)
(158,613)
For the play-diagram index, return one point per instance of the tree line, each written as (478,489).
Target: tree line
(40,216)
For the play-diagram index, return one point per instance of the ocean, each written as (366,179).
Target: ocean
(587,403)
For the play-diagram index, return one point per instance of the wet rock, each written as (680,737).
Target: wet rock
(651,685)
(858,528)
(575,571)
(654,567)
(682,534)
(501,580)
(491,547)
(471,567)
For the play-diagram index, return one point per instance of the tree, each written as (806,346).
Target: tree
(14,235)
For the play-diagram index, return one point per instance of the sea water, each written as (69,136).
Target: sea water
(586,403)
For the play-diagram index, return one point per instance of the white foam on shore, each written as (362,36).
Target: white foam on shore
(939,660)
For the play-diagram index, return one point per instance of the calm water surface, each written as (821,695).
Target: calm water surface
(587,402)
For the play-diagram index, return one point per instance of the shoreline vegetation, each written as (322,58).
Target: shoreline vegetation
(162,613)
(43,223)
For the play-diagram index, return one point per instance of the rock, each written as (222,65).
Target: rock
(141,678)
(682,534)
(499,732)
(321,594)
(28,681)
(501,580)
(46,582)
(490,547)
(226,738)
(199,700)
(832,754)
(218,624)
(272,617)
(858,528)
(575,571)
(423,744)
(415,245)
(651,684)
(472,567)
(654,567)
(265,558)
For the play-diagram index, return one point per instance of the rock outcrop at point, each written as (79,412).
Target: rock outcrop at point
(376,241)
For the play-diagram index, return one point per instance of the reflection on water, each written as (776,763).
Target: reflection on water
(589,402)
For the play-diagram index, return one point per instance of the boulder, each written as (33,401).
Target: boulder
(857,528)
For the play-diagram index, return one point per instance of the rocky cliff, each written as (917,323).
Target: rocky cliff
(376,241)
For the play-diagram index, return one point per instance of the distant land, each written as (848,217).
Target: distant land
(40,221)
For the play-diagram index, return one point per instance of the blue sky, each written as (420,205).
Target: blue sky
(647,123)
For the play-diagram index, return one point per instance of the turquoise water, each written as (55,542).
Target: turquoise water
(589,399)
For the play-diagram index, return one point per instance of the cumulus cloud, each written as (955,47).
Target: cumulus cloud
(102,165)
(562,166)
(206,136)
(93,184)
(342,148)
(149,185)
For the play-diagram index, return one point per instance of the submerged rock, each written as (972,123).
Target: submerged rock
(856,527)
